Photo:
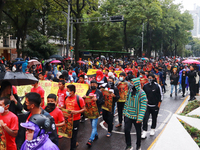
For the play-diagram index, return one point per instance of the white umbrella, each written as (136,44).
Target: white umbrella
(33,62)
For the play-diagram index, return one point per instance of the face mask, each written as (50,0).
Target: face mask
(68,94)
(1,109)
(25,107)
(110,84)
(140,76)
(121,78)
(50,107)
(150,81)
(93,87)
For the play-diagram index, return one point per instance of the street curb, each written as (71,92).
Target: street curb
(152,144)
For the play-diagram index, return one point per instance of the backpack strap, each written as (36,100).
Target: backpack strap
(78,102)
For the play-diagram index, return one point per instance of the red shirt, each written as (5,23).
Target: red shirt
(11,121)
(71,104)
(40,91)
(127,70)
(61,97)
(57,116)
(83,73)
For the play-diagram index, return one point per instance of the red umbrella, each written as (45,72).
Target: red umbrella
(190,61)
(55,62)
(81,62)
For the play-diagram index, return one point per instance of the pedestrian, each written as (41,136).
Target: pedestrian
(76,105)
(174,78)
(61,93)
(154,96)
(32,106)
(98,97)
(192,82)
(183,80)
(134,111)
(9,123)
(37,137)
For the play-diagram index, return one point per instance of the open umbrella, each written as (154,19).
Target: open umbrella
(17,78)
(81,62)
(68,58)
(19,59)
(33,62)
(190,61)
(57,57)
(19,62)
(55,62)
(34,58)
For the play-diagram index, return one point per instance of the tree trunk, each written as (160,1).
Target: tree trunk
(77,26)
(125,36)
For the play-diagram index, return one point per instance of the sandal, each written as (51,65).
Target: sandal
(118,126)
(108,134)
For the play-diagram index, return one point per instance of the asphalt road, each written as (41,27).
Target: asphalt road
(117,140)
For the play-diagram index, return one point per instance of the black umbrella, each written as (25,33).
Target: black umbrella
(17,78)
(57,57)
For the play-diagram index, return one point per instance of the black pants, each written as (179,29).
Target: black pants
(120,107)
(154,113)
(192,90)
(197,89)
(183,88)
(74,134)
(108,118)
(127,130)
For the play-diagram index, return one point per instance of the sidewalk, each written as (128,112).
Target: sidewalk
(174,136)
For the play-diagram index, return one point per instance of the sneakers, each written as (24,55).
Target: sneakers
(138,148)
(89,143)
(144,134)
(152,132)
(96,137)
(129,148)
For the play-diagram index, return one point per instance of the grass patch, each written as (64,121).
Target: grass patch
(194,132)
(194,116)
(190,107)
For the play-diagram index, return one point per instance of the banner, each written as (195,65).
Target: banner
(66,130)
(91,111)
(2,139)
(81,89)
(123,91)
(92,72)
(51,87)
(157,79)
(108,100)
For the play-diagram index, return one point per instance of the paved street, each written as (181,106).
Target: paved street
(117,140)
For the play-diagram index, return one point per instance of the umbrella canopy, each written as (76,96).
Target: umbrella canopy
(19,62)
(68,58)
(19,59)
(17,78)
(33,62)
(35,58)
(81,62)
(57,57)
(55,62)
(190,61)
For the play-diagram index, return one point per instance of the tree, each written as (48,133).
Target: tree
(38,46)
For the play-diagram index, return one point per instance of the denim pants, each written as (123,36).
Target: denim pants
(94,128)
(172,88)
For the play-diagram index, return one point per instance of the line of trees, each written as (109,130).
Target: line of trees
(166,28)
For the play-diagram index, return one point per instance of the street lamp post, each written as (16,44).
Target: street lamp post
(68,24)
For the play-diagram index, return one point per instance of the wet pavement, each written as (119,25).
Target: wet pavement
(117,140)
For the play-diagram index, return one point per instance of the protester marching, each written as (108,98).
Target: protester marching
(41,104)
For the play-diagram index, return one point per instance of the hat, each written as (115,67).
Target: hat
(28,125)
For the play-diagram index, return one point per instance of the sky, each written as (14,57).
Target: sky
(188,4)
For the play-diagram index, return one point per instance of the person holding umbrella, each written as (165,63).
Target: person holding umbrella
(6,91)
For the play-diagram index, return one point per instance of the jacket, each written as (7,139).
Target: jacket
(174,79)
(135,106)
(53,136)
(99,96)
(191,77)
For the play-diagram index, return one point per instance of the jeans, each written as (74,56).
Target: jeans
(94,128)
(154,112)
(128,126)
(172,88)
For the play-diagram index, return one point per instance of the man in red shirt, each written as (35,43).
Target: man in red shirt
(82,79)
(81,73)
(127,69)
(38,89)
(9,123)
(54,111)
(106,73)
(76,105)
(61,93)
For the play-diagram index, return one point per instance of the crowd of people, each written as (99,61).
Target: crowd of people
(33,125)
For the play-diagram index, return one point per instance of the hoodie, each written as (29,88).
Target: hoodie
(135,105)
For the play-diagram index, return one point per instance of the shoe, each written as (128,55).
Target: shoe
(108,134)
(152,132)
(89,143)
(129,148)
(144,134)
(96,137)
(118,126)
(170,95)
(192,99)
(138,148)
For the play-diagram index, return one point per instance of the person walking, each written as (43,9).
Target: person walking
(192,82)
(154,96)
(134,111)
(174,78)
